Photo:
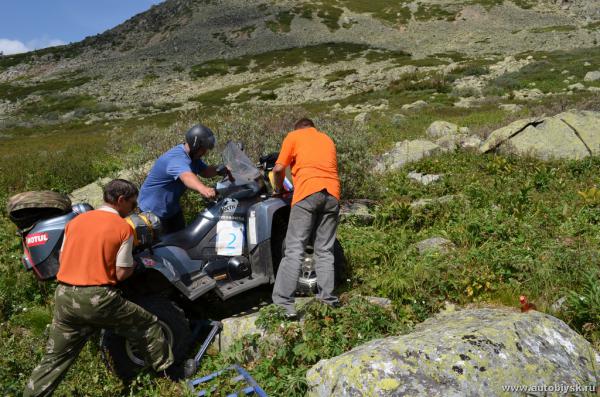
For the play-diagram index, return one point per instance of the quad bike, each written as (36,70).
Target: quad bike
(233,246)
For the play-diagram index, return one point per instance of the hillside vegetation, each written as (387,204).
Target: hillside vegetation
(72,114)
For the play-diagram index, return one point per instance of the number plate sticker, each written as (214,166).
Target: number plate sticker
(230,238)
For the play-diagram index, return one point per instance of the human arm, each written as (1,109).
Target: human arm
(285,158)
(191,181)
(278,177)
(125,263)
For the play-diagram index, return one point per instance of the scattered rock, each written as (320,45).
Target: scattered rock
(510,107)
(398,119)
(438,129)
(559,304)
(577,87)
(467,103)
(528,94)
(362,118)
(587,64)
(592,76)
(471,142)
(406,152)
(415,105)
(470,352)
(358,209)
(424,179)
(432,201)
(438,245)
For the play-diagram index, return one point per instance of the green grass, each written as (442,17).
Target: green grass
(272,60)
(546,72)
(282,22)
(436,12)
(50,53)
(339,75)
(558,28)
(13,92)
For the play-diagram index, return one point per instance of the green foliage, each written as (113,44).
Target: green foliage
(546,73)
(272,60)
(282,22)
(292,347)
(426,12)
(559,28)
(583,306)
(13,92)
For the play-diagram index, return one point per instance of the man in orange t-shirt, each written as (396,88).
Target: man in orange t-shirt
(97,254)
(315,208)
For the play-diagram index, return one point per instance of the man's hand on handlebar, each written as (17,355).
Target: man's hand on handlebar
(208,193)
(224,171)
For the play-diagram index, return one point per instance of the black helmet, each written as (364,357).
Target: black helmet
(198,137)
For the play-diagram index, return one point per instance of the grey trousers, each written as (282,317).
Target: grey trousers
(319,213)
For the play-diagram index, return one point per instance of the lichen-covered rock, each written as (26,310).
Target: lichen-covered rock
(415,105)
(405,152)
(92,193)
(438,245)
(440,128)
(592,76)
(423,179)
(569,135)
(358,210)
(472,352)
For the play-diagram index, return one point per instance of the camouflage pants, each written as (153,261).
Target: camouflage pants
(78,312)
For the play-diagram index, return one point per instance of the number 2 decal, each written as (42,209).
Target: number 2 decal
(230,244)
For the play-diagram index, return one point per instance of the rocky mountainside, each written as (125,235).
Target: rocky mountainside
(184,52)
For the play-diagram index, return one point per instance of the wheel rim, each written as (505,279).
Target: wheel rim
(134,355)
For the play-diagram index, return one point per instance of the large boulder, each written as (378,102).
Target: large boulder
(406,152)
(568,135)
(472,352)
(92,193)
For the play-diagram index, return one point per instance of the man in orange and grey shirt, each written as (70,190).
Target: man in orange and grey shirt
(315,208)
(95,256)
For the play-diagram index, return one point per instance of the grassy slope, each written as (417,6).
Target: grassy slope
(520,227)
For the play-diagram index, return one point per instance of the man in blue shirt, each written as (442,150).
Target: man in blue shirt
(175,171)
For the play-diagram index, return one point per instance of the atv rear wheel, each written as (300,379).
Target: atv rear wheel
(125,361)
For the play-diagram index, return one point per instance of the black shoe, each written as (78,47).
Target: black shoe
(182,370)
(291,316)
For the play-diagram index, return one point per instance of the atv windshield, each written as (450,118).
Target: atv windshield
(242,168)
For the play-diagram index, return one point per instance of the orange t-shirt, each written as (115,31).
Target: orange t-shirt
(312,156)
(89,253)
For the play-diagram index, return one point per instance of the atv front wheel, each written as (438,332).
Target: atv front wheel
(125,361)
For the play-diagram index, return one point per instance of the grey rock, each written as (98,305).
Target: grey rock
(528,94)
(577,87)
(406,152)
(569,135)
(398,119)
(439,129)
(470,352)
(433,201)
(438,245)
(592,76)
(357,209)
(510,107)
(423,179)
(362,118)
(415,105)
(471,142)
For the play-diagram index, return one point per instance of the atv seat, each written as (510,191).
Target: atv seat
(186,238)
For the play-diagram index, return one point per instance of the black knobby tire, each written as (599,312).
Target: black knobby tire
(117,352)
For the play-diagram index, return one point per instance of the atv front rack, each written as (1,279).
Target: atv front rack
(251,388)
